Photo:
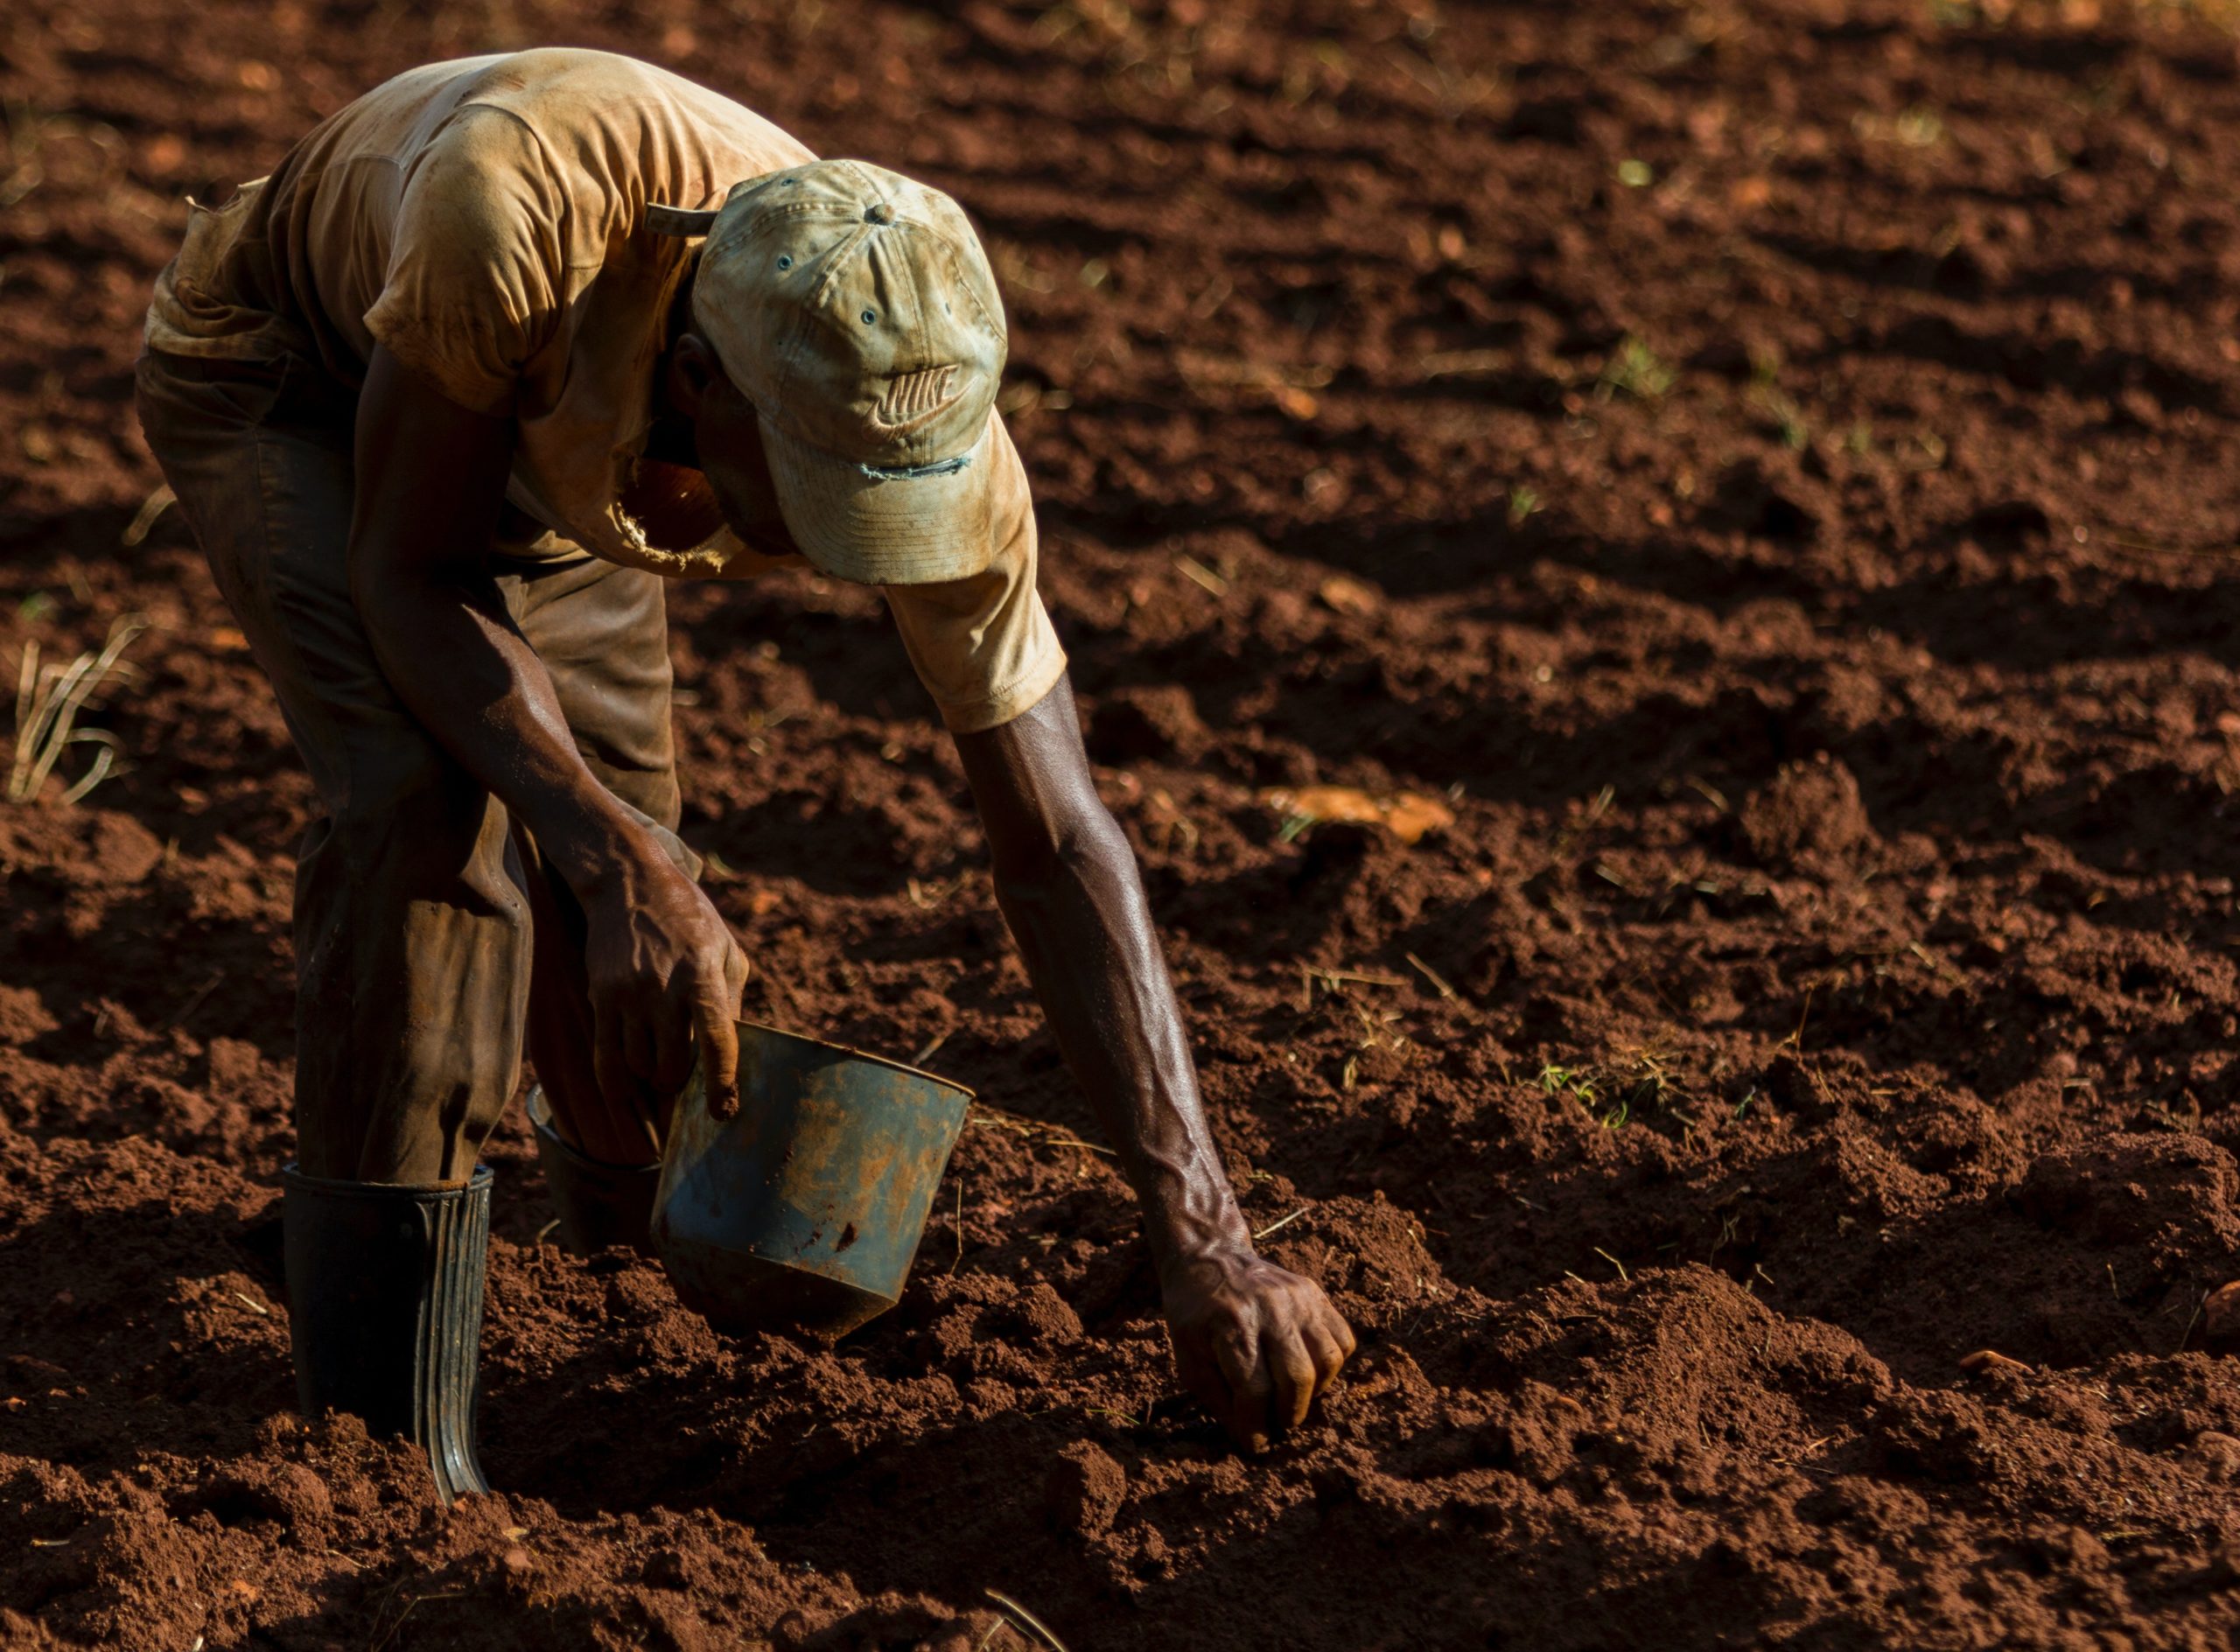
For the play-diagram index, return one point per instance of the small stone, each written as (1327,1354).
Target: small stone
(2217,1452)
(518,1560)
(2221,1319)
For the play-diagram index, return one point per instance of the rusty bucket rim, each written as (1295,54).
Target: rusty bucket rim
(964,1090)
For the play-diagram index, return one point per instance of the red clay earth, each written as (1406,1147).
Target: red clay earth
(1782,464)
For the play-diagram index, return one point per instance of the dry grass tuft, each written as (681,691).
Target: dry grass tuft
(48,700)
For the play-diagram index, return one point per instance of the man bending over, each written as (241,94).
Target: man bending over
(495,352)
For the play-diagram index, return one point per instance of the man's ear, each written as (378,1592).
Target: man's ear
(693,372)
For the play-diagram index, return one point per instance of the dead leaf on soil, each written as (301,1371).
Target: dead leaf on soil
(1985,1360)
(145,518)
(1408,815)
(1345,594)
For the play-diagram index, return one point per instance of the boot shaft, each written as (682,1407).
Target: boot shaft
(385,1309)
(599,1204)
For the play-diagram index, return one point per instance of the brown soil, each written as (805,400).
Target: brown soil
(1768,467)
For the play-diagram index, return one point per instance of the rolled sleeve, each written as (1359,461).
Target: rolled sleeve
(983,645)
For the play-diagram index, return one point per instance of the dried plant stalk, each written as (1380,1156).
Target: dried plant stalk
(48,700)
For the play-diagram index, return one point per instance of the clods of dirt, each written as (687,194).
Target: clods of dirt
(1807,811)
(1762,473)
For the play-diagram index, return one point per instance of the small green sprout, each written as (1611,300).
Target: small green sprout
(1637,369)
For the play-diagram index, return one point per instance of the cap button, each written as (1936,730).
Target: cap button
(878,213)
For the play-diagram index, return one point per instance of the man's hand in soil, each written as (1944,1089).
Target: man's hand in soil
(663,971)
(1253,1342)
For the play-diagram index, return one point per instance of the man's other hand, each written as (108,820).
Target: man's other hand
(1255,1343)
(664,976)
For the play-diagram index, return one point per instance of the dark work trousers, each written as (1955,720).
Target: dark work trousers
(429,941)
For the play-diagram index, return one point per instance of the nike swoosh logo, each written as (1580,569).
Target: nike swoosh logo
(914,398)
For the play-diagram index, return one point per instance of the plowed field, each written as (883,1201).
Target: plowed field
(1769,471)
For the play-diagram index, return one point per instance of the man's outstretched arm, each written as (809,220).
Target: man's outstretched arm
(1257,1344)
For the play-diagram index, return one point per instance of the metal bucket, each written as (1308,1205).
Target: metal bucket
(804,1211)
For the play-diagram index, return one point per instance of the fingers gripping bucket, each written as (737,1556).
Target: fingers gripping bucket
(804,1211)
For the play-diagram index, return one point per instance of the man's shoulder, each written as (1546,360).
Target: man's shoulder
(569,72)
(597,125)
(561,90)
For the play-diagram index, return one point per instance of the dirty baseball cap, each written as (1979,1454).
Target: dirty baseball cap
(856,310)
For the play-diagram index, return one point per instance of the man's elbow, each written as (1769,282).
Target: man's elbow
(394,602)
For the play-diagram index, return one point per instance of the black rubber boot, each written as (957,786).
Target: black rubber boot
(599,1204)
(385,1310)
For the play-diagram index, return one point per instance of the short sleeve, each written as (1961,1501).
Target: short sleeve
(983,645)
(475,265)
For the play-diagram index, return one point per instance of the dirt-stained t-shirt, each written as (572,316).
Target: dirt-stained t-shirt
(485,221)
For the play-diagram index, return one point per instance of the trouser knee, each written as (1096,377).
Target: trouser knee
(413,947)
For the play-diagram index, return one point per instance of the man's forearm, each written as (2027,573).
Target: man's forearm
(1066,881)
(433,475)
(453,657)
(1078,914)
(1253,1341)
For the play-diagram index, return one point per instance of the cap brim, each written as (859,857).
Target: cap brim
(883,530)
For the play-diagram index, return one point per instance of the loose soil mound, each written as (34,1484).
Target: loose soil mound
(1769,469)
